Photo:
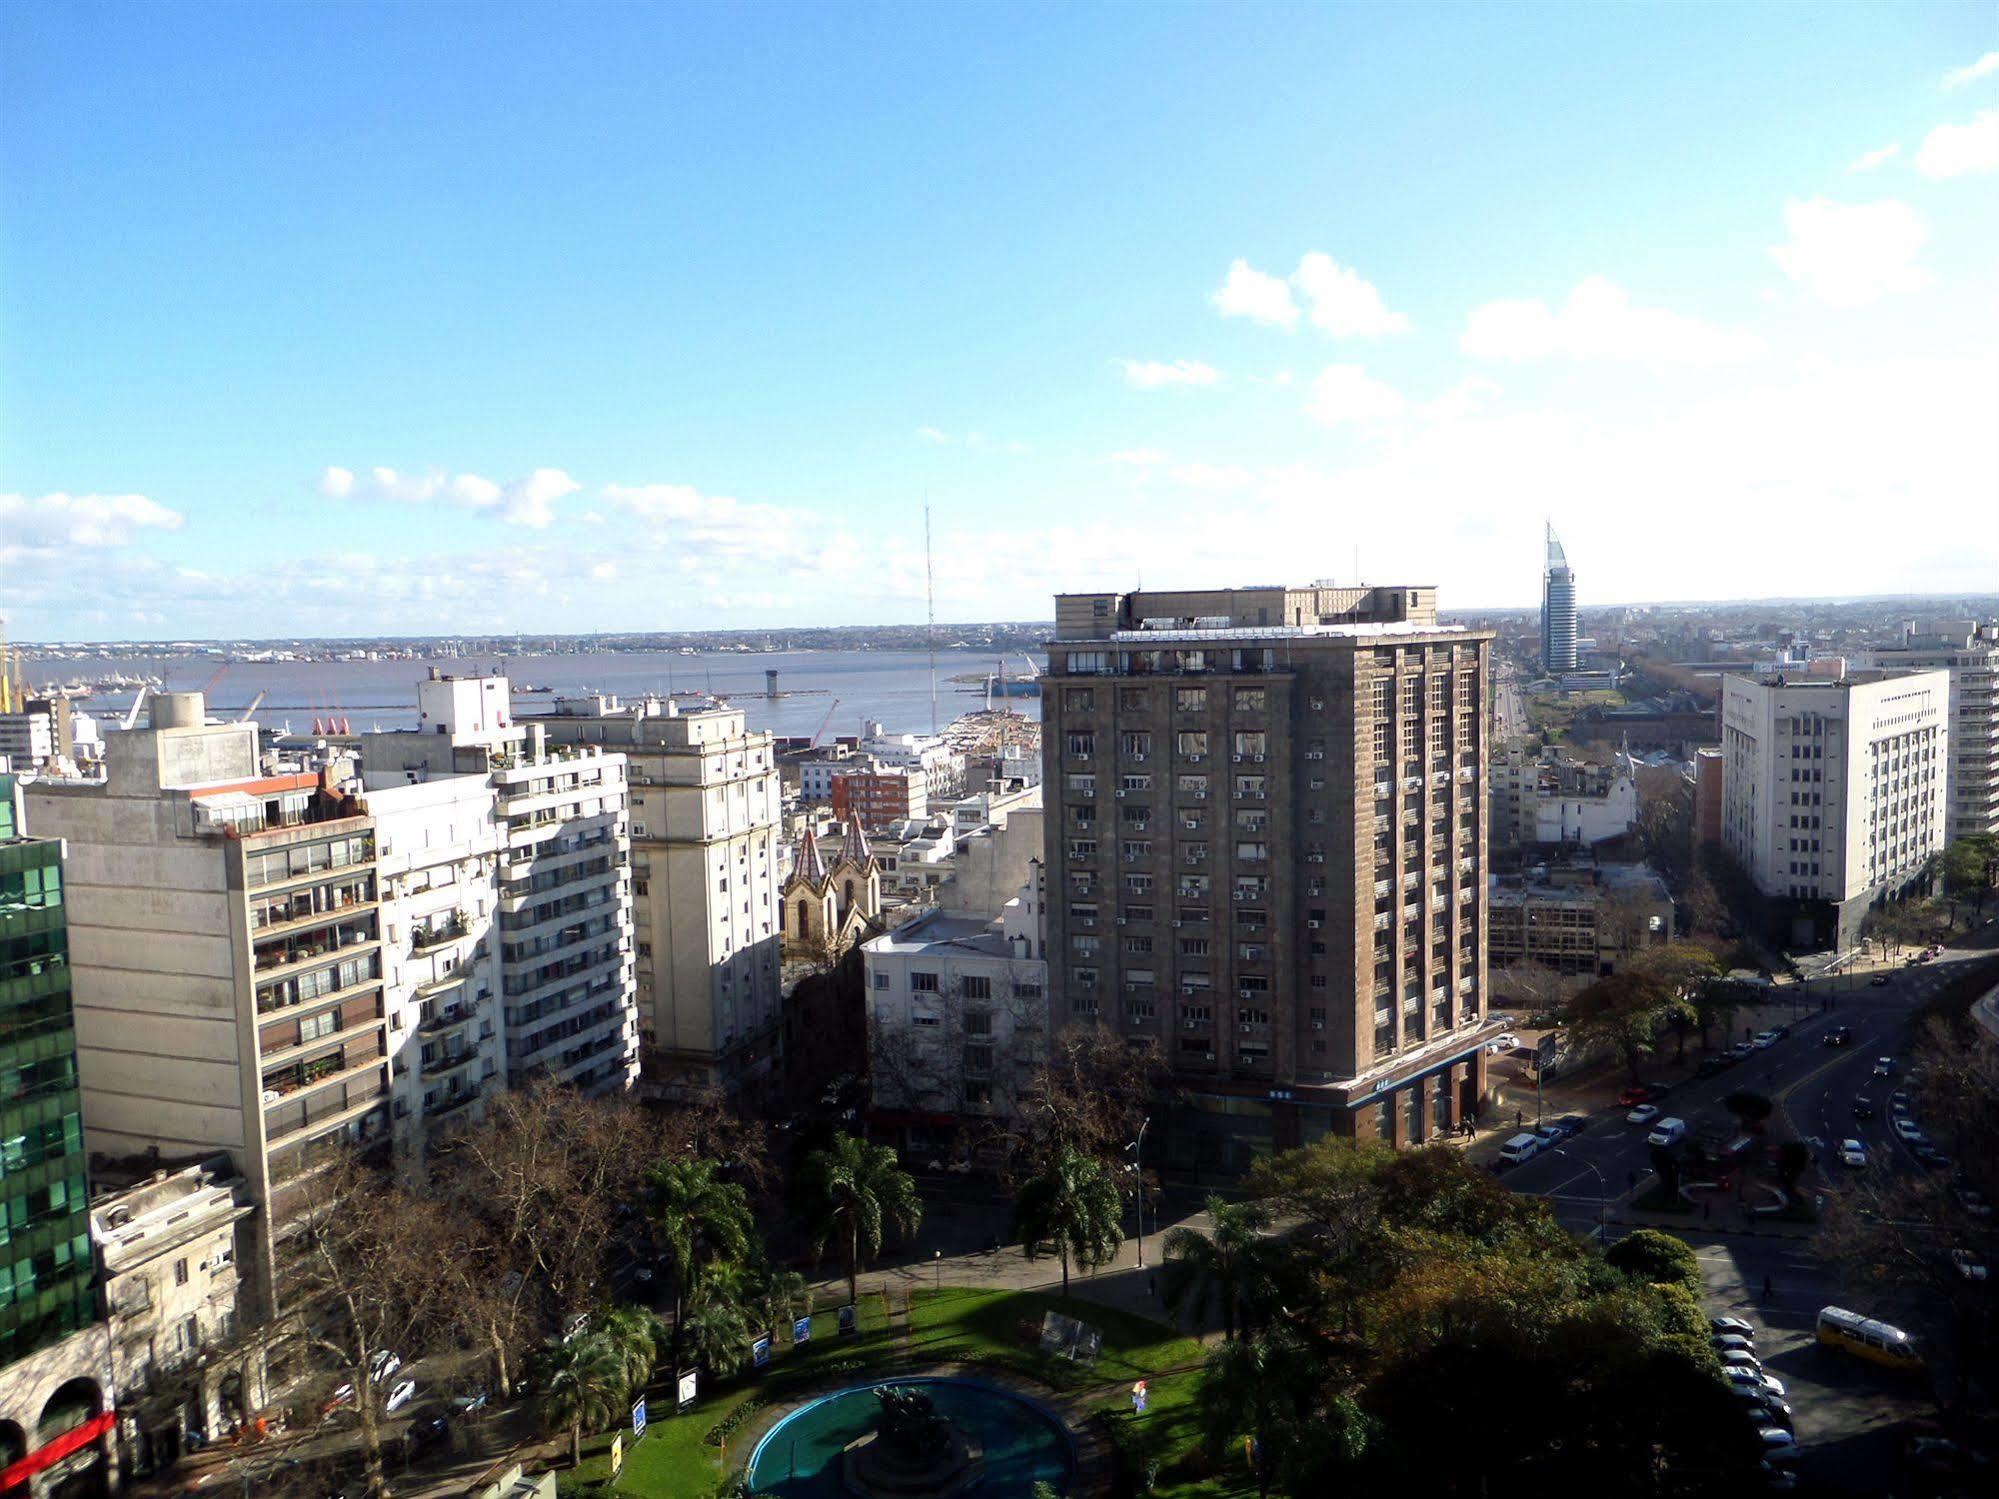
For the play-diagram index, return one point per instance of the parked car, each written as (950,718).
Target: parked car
(1776,1439)
(1722,1325)
(1522,1147)
(1645,1113)
(1879,981)
(1770,1411)
(1863,1107)
(1973,1203)
(1763,1040)
(1929,1157)
(1639,1093)
(1732,1342)
(1969,1265)
(1768,1384)
(1743,1049)
(1898,1103)
(1713,1066)
(1669,1132)
(1852,1153)
(1740,1358)
(1839,1035)
(382,1365)
(1883,1066)
(1549,1134)
(1572,1124)
(1909,1130)
(466,1404)
(400,1396)
(1506,1041)
(427,1432)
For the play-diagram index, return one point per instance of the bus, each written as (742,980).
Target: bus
(1866,1338)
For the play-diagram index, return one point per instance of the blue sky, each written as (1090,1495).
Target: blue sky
(433,317)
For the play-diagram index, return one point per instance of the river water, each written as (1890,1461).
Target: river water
(892,687)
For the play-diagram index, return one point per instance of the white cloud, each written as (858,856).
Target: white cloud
(931,434)
(1219,477)
(1151,374)
(526,501)
(1253,294)
(1342,303)
(1867,161)
(1850,254)
(1466,398)
(1345,393)
(604,570)
(1138,457)
(1954,150)
(50,521)
(1985,67)
(1598,321)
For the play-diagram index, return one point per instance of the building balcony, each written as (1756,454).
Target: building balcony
(294,952)
(334,1098)
(450,1060)
(444,1108)
(454,926)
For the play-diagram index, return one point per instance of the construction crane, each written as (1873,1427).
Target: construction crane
(824,724)
(255,703)
(138,702)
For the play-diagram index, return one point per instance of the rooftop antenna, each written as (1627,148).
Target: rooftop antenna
(930,624)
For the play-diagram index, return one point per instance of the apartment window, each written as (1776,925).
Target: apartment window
(1027,989)
(925,1019)
(1250,787)
(1082,785)
(180,1272)
(1134,700)
(1138,946)
(1138,913)
(1249,699)
(921,982)
(313,1027)
(1252,853)
(1138,978)
(1251,745)
(1080,943)
(1194,947)
(1079,700)
(978,987)
(881,981)
(1193,743)
(1081,746)
(1193,887)
(1190,699)
(1135,744)
(978,1022)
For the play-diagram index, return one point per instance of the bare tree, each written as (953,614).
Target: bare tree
(358,1281)
(1089,1096)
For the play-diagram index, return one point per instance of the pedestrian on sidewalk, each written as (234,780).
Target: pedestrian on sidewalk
(1519,1118)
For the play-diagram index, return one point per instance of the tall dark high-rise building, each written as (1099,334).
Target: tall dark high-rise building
(1558,610)
(1266,843)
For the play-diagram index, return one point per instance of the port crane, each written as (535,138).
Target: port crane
(824,724)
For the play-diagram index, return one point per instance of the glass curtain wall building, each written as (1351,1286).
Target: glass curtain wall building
(45,1266)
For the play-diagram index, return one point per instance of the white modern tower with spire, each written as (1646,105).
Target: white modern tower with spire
(1558,610)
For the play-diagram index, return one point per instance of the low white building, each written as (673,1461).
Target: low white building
(438,843)
(957,1016)
(1833,793)
(167,1258)
(943,767)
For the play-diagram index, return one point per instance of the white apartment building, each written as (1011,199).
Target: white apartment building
(1969,651)
(707,808)
(1833,793)
(225,955)
(438,847)
(1553,800)
(568,990)
(943,767)
(957,1015)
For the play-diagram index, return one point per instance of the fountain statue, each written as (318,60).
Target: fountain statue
(914,1452)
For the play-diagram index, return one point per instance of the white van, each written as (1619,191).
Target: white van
(1519,1148)
(1667,1132)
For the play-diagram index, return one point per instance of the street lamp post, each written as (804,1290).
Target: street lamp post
(1602,1191)
(939,1262)
(1138,1173)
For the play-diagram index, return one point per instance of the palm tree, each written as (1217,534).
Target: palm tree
(699,1220)
(632,1336)
(718,1335)
(851,1191)
(1260,1386)
(1229,1268)
(778,1297)
(582,1383)
(1074,1205)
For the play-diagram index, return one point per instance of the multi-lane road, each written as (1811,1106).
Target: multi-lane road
(1848,1415)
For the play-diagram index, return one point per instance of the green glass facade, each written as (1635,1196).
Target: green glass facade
(45,1265)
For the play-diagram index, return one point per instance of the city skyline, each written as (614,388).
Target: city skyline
(683,336)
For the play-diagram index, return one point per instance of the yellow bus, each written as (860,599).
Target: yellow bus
(1866,1338)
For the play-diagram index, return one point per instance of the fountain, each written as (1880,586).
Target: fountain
(915,1452)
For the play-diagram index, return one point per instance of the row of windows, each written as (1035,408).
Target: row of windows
(1185,699)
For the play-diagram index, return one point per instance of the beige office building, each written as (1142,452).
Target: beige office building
(706,811)
(1969,651)
(1266,849)
(225,954)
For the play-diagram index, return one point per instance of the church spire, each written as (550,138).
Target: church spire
(811,863)
(858,849)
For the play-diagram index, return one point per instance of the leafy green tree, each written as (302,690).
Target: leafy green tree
(1229,1269)
(1074,1205)
(699,1219)
(777,1298)
(631,1336)
(1656,1258)
(582,1384)
(852,1193)
(719,1334)
(1625,1011)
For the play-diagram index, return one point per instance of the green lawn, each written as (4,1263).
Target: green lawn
(1000,1328)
